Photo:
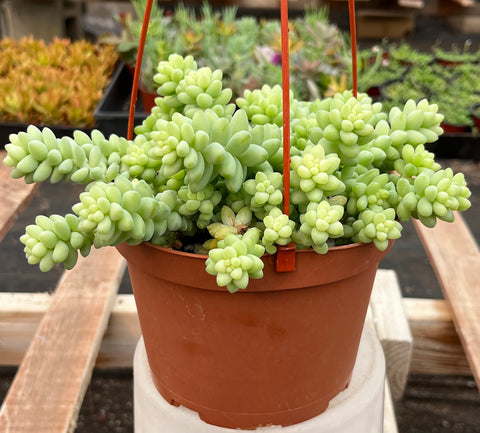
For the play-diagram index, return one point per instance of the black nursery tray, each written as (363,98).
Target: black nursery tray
(459,145)
(111,113)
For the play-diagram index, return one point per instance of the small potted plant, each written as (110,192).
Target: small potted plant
(455,104)
(457,119)
(374,77)
(409,56)
(454,55)
(398,92)
(197,204)
(431,79)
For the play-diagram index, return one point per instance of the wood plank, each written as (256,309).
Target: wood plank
(47,392)
(21,314)
(417,4)
(455,257)
(443,8)
(14,196)
(465,3)
(436,345)
(122,335)
(389,417)
(437,348)
(392,328)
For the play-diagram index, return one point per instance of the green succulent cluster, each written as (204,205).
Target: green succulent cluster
(377,225)
(432,195)
(265,191)
(120,211)
(202,170)
(38,155)
(347,123)
(263,105)
(55,239)
(236,260)
(313,177)
(202,203)
(371,189)
(320,222)
(278,230)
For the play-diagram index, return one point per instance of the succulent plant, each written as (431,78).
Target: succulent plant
(455,54)
(379,74)
(408,55)
(454,87)
(247,50)
(55,84)
(203,170)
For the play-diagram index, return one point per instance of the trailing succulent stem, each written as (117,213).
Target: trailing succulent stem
(204,170)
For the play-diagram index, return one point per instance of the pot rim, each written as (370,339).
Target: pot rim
(205,256)
(311,268)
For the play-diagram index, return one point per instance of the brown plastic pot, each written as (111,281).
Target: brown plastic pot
(275,353)
(449,63)
(148,98)
(450,128)
(475,112)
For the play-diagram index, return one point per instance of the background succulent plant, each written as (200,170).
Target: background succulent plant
(247,50)
(59,83)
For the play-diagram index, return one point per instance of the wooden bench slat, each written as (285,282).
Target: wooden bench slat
(392,328)
(389,417)
(455,257)
(14,197)
(47,391)
(436,346)
(418,4)
(437,349)
(465,3)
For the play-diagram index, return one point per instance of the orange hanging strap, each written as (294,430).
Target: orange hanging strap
(353,36)
(138,67)
(286,106)
(285,254)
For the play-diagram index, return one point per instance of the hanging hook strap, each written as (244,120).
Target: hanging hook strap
(285,253)
(138,67)
(353,37)
(286,106)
